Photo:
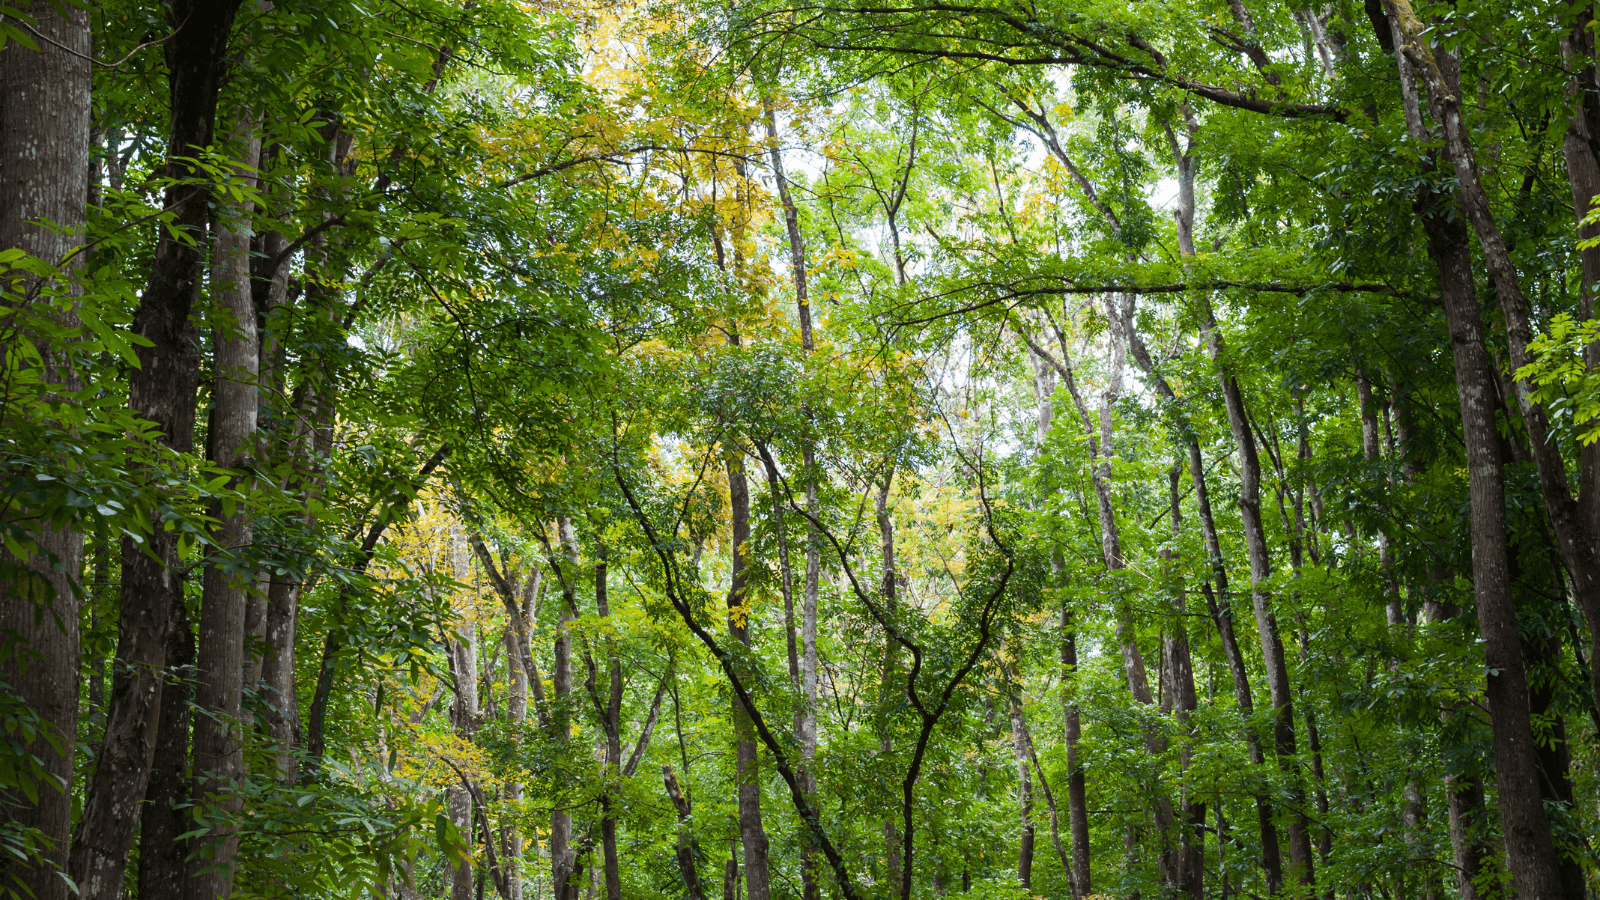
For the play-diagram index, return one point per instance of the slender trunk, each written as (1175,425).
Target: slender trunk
(889,688)
(752,835)
(1300,858)
(44,154)
(1191,857)
(517,711)
(464,714)
(806,717)
(685,853)
(562,862)
(1530,849)
(219,679)
(611,728)
(162,869)
(1022,751)
(1077,789)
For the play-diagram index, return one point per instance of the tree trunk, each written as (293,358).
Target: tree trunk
(888,688)
(563,864)
(1530,851)
(517,711)
(1190,864)
(1023,753)
(464,713)
(219,679)
(1283,728)
(752,835)
(1574,536)
(806,717)
(162,390)
(612,731)
(162,866)
(44,160)
(1077,789)
(686,865)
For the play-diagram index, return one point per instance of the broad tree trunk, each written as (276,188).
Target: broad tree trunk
(162,390)
(44,158)
(1530,850)
(162,866)
(219,680)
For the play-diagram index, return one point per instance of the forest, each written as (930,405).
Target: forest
(1073,449)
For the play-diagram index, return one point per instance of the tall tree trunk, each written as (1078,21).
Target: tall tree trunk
(889,685)
(1530,850)
(563,864)
(685,852)
(1574,536)
(44,161)
(1191,857)
(611,729)
(162,855)
(517,712)
(806,717)
(752,836)
(161,390)
(464,714)
(1283,728)
(219,680)
(1022,751)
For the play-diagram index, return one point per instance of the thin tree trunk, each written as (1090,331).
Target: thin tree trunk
(44,153)
(612,730)
(806,717)
(889,684)
(563,864)
(517,711)
(1022,751)
(1300,858)
(219,680)
(685,853)
(1191,855)
(752,835)
(464,713)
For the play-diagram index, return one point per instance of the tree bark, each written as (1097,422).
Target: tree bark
(685,853)
(1574,536)
(162,866)
(464,713)
(1530,850)
(162,390)
(219,681)
(44,161)
(752,835)
(1283,728)
(563,864)
(806,717)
